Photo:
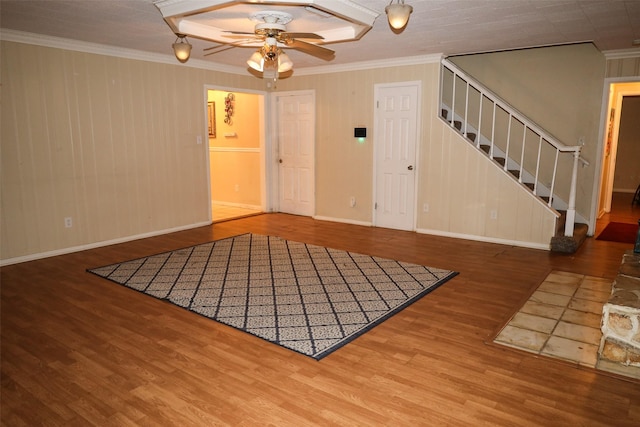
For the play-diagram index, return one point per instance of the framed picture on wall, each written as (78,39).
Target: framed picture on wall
(211,110)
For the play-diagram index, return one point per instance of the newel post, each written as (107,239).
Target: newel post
(571,210)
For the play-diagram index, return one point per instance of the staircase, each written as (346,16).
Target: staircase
(546,168)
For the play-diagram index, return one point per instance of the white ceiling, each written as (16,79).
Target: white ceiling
(447,27)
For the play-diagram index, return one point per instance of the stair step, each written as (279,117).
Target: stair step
(562,243)
(515,173)
(457,124)
(444,113)
(471,137)
(485,148)
(500,160)
(530,185)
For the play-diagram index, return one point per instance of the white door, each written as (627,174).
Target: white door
(395,147)
(296,153)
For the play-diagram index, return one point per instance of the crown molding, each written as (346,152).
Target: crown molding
(369,65)
(99,49)
(622,53)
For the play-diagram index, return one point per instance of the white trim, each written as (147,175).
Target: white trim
(368,65)
(530,245)
(447,234)
(342,220)
(95,245)
(237,205)
(119,52)
(622,53)
(234,150)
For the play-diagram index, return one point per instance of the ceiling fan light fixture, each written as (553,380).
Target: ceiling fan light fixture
(256,61)
(284,63)
(398,14)
(182,48)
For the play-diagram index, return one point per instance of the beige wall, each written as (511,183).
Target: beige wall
(457,182)
(109,142)
(236,151)
(560,88)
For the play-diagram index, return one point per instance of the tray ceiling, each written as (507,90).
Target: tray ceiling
(447,27)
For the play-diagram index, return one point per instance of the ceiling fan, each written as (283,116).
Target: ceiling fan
(272,32)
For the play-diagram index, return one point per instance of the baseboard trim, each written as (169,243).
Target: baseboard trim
(530,245)
(80,248)
(342,220)
(237,205)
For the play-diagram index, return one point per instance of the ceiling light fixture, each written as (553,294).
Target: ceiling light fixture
(398,14)
(270,60)
(182,48)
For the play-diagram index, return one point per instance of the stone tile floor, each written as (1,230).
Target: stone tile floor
(561,319)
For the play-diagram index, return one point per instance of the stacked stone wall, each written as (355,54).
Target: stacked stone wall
(620,345)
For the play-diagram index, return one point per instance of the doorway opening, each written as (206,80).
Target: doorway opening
(620,173)
(236,146)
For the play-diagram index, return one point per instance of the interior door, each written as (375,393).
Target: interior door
(395,147)
(296,153)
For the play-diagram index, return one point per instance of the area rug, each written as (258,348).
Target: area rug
(619,232)
(306,298)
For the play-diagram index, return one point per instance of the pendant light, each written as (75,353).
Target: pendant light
(398,14)
(182,48)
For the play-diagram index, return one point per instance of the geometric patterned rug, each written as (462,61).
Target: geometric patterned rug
(306,298)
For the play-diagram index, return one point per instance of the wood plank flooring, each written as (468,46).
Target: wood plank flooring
(78,350)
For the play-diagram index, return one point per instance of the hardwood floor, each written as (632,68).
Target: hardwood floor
(80,350)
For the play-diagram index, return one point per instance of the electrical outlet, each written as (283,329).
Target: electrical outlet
(68,222)
(494,214)
(352,201)
(425,207)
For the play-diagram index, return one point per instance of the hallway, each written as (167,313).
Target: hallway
(621,211)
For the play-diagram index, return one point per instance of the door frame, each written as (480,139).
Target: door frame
(607,103)
(265,142)
(376,130)
(272,154)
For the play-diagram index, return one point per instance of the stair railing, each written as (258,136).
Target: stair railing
(518,156)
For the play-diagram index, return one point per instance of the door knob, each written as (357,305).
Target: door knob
(410,168)
(280,161)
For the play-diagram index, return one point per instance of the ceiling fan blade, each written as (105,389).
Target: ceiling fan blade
(238,32)
(287,35)
(213,47)
(222,48)
(311,49)
(243,36)
(226,46)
